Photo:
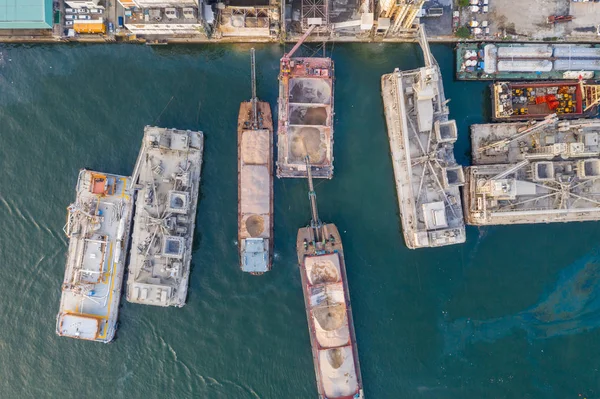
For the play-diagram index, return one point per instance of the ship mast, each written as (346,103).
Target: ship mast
(254,99)
(315,222)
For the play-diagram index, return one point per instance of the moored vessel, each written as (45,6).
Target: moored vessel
(168,168)
(98,225)
(422,138)
(513,101)
(305,126)
(328,311)
(255,183)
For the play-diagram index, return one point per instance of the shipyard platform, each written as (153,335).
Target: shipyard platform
(422,140)
(168,166)
(534,172)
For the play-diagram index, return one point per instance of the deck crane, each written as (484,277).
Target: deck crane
(549,120)
(285,60)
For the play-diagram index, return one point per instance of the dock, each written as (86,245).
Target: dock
(167,181)
(527,61)
(422,138)
(98,226)
(541,172)
(255,183)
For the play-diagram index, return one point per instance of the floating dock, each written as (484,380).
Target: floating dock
(422,140)
(255,183)
(534,172)
(536,100)
(168,166)
(328,309)
(515,61)
(98,226)
(305,125)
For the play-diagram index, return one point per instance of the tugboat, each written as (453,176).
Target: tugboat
(328,310)
(255,183)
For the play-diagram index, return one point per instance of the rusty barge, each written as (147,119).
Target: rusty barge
(328,311)
(255,183)
(305,126)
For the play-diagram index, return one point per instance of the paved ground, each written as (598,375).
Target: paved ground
(528,20)
(587,19)
(437,26)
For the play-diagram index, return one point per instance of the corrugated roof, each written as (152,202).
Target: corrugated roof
(25,14)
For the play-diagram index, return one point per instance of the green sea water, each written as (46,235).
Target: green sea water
(513,313)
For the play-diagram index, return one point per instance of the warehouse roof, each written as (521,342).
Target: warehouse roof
(25,14)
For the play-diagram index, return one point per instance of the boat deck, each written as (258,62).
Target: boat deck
(98,225)
(255,189)
(305,117)
(536,192)
(510,143)
(169,167)
(527,61)
(329,314)
(534,173)
(427,176)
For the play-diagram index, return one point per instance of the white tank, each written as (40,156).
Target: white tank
(525,66)
(576,52)
(525,51)
(588,65)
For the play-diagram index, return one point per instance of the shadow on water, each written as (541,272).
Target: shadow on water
(573,306)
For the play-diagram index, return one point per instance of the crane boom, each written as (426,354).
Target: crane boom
(548,120)
(288,55)
(254,99)
(315,223)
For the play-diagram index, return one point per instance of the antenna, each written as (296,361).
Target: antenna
(315,223)
(254,100)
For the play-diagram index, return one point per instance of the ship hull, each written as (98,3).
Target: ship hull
(305,124)
(244,217)
(524,101)
(333,246)
(92,285)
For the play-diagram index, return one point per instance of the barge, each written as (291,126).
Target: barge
(167,173)
(328,310)
(255,183)
(518,61)
(541,172)
(422,139)
(98,226)
(305,125)
(536,100)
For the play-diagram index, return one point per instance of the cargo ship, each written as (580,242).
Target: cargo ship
(518,61)
(255,183)
(305,114)
(167,180)
(328,311)
(98,226)
(536,100)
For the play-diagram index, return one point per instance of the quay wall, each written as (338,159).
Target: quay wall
(293,39)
